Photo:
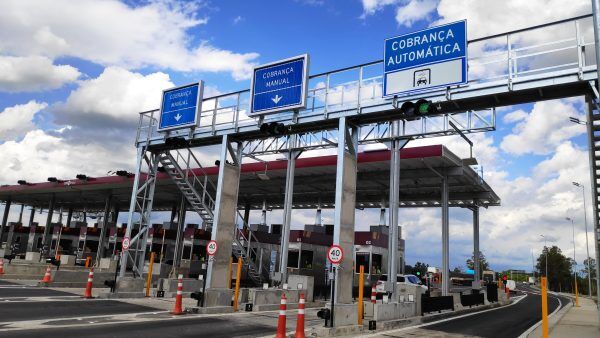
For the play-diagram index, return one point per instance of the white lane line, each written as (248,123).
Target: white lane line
(447,319)
(535,326)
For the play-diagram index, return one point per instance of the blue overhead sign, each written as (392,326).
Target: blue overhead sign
(180,107)
(279,86)
(432,58)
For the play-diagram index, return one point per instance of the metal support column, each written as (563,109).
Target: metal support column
(46,238)
(287,209)
(445,238)
(476,265)
(263,219)
(247,208)
(4,219)
(394,199)
(69,217)
(21,214)
(100,251)
(30,242)
(181,211)
(142,197)
(592,114)
(225,215)
(344,214)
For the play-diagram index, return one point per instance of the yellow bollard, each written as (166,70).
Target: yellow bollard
(361,289)
(544,308)
(229,268)
(87,262)
(238,276)
(149,277)
(576,294)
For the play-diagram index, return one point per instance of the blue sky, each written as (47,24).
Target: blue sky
(73,76)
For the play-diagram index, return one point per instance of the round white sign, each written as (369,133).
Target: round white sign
(126,243)
(211,248)
(335,254)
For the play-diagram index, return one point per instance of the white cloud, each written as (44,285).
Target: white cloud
(515,116)
(372,6)
(109,32)
(15,121)
(113,99)
(39,149)
(33,73)
(487,17)
(544,128)
(415,10)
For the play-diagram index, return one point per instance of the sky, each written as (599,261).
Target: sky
(74,75)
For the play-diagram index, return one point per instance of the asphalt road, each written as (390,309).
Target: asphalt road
(21,311)
(505,322)
(11,291)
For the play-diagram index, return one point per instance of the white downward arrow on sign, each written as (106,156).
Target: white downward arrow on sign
(276,99)
(178,117)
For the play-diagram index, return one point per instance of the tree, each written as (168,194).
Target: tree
(483,264)
(458,269)
(560,269)
(419,267)
(584,276)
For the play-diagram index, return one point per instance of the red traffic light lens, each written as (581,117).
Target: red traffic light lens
(504,278)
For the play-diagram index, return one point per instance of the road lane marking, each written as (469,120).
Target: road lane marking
(446,319)
(535,326)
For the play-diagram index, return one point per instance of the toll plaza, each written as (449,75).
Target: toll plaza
(293,114)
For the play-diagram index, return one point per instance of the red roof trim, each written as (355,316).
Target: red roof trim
(309,162)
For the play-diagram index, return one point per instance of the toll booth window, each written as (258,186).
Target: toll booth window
(306,259)
(293,259)
(362,258)
(376,265)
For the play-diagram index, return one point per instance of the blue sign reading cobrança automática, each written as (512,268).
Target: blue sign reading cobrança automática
(180,106)
(443,48)
(280,85)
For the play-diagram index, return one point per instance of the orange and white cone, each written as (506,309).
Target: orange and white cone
(177,309)
(1,266)
(47,277)
(88,286)
(373,295)
(300,322)
(281,320)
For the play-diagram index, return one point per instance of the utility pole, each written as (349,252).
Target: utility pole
(587,246)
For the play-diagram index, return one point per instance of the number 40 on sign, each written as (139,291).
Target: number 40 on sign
(335,254)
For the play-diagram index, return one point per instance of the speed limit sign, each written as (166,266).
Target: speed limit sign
(126,243)
(335,254)
(211,248)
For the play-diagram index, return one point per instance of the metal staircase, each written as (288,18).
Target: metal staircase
(186,172)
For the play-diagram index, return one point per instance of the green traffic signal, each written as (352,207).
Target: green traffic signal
(423,107)
(418,273)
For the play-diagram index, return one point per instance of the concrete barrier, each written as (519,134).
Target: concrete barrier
(78,279)
(169,286)
(390,311)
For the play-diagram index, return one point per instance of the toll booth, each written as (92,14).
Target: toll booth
(54,243)
(372,253)
(10,236)
(307,255)
(112,241)
(34,239)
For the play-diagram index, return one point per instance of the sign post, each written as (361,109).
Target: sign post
(335,254)
(280,85)
(180,107)
(211,248)
(432,58)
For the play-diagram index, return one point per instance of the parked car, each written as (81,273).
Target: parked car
(409,279)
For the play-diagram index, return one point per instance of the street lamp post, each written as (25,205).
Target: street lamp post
(587,247)
(574,257)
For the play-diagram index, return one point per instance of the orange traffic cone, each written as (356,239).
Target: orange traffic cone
(88,286)
(177,310)
(1,266)
(373,295)
(300,322)
(47,277)
(281,320)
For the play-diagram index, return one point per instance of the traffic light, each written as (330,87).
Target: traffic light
(504,278)
(418,273)
(420,108)
(273,128)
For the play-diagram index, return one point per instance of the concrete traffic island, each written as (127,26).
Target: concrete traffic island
(126,287)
